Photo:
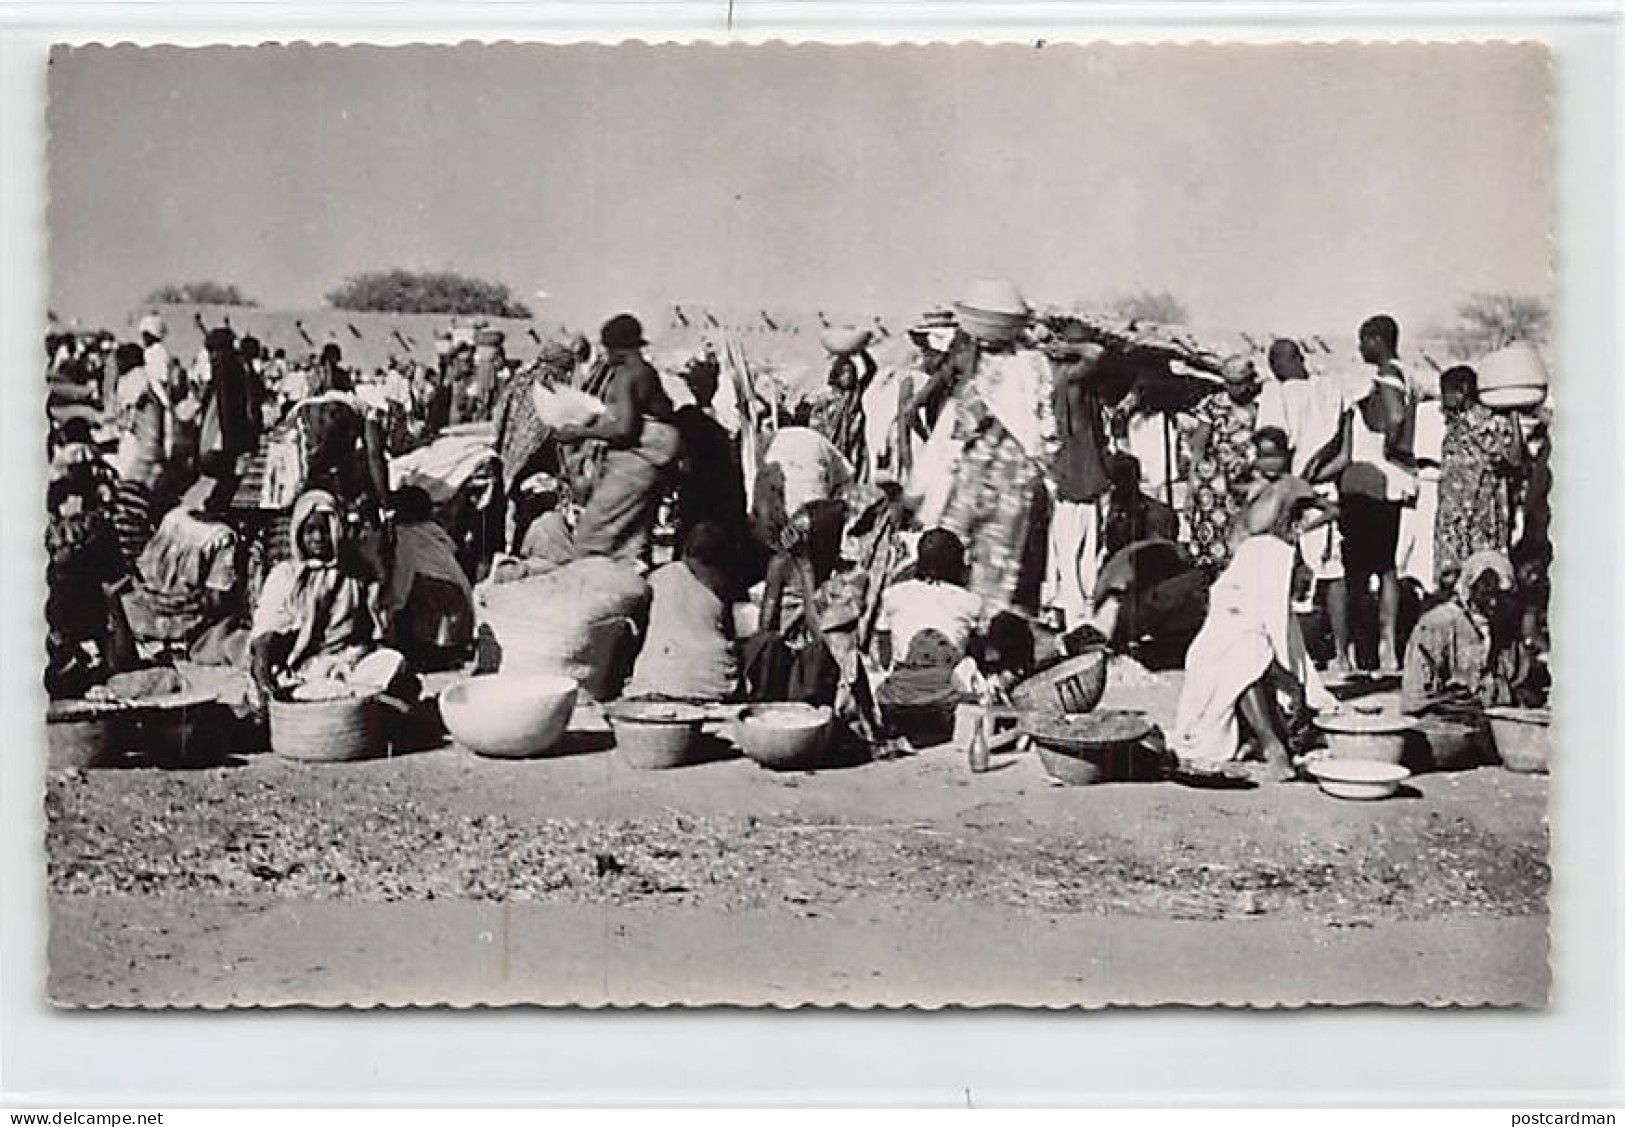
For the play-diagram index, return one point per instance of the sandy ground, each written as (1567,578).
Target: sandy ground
(444,877)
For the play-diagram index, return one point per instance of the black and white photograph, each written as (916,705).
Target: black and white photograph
(1041,525)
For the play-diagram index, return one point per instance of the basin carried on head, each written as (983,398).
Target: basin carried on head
(509,715)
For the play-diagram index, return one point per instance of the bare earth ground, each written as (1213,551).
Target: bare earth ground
(444,877)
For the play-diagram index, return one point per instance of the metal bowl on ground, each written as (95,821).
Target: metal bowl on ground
(655,735)
(1358,735)
(85,734)
(1437,744)
(1096,747)
(509,715)
(1072,685)
(786,736)
(1358,779)
(1523,738)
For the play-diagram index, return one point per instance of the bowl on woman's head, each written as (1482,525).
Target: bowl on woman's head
(785,736)
(509,715)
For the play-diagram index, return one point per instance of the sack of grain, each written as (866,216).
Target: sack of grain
(582,621)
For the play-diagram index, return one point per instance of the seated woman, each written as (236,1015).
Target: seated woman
(1249,651)
(689,648)
(189,587)
(428,597)
(318,616)
(1465,654)
(925,632)
(87,636)
(789,658)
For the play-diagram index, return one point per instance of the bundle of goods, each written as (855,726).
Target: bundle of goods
(581,620)
(565,406)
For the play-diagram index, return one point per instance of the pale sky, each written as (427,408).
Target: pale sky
(1276,189)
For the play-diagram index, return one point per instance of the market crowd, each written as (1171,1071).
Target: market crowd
(899,540)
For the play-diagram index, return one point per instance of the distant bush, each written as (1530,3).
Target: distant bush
(1488,321)
(406,291)
(200,293)
(1157,306)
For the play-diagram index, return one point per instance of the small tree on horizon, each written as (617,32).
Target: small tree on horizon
(200,293)
(1488,321)
(407,291)
(1157,306)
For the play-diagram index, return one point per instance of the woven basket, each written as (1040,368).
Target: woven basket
(1072,686)
(328,731)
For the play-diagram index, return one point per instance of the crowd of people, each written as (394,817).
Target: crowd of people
(890,556)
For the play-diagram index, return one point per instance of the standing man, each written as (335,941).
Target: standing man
(1375,473)
(229,426)
(1081,478)
(1310,410)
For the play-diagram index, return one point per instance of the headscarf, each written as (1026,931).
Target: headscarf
(1477,565)
(320,604)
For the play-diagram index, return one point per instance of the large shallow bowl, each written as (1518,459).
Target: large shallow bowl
(654,735)
(81,733)
(1097,747)
(1359,779)
(784,737)
(509,715)
(1523,738)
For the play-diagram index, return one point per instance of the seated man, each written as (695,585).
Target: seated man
(189,586)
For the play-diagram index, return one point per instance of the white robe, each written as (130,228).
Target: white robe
(1249,625)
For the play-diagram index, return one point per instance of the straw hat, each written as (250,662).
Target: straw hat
(153,325)
(993,310)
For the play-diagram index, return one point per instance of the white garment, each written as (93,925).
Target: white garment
(1415,551)
(1148,441)
(1249,625)
(1017,388)
(915,605)
(814,470)
(1322,548)
(1074,559)
(1370,448)
(1307,410)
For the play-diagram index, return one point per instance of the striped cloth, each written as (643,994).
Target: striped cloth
(132,519)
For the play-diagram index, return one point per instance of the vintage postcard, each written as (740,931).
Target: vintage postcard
(608,525)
